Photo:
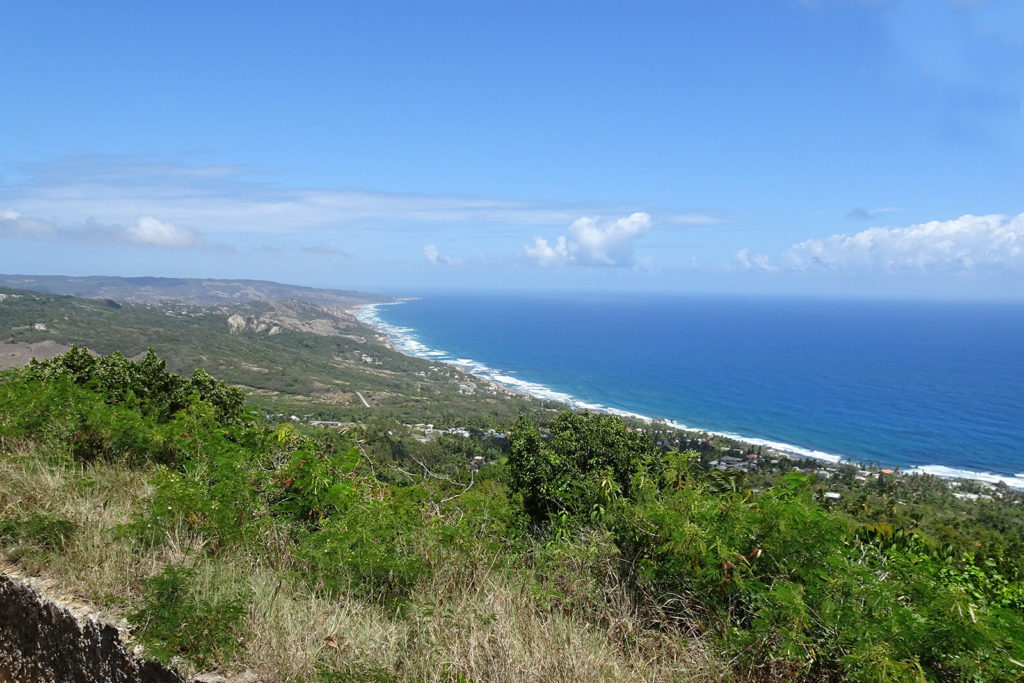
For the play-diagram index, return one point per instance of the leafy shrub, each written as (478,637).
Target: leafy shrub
(177,617)
(367,545)
(110,408)
(145,383)
(590,461)
(313,482)
(216,492)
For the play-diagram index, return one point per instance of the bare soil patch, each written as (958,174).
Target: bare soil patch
(16,354)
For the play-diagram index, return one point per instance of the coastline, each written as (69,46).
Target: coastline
(403,340)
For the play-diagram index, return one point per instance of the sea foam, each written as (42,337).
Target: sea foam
(1016,482)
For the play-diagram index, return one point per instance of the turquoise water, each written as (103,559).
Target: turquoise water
(937,386)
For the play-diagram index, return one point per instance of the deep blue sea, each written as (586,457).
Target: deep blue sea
(935,386)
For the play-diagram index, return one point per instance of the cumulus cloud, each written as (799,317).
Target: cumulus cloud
(148,230)
(13,224)
(145,231)
(431,253)
(751,261)
(544,254)
(991,242)
(592,242)
(433,256)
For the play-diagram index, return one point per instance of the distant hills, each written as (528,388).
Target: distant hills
(292,349)
(198,291)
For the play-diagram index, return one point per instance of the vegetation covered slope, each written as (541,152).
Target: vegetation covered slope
(293,357)
(589,554)
(195,291)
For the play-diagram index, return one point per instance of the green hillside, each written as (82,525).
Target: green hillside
(586,552)
(202,291)
(291,356)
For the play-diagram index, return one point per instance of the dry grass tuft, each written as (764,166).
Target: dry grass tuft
(94,563)
(482,624)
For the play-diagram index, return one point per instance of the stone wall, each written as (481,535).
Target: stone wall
(42,640)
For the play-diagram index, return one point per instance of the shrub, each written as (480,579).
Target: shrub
(158,394)
(591,461)
(367,545)
(178,617)
(217,492)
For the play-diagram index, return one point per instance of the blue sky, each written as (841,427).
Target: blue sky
(818,147)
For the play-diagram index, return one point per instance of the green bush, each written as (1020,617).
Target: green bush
(368,545)
(591,461)
(217,490)
(314,480)
(145,384)
(113,409)
(178,617)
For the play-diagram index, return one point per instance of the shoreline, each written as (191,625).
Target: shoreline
(402,340)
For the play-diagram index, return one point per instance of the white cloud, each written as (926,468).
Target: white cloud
(148,230)
(434,257)
(991,242)
(431,253)
(13,224)
(544,254)
(689,219)
(591,242)
(751,261)
(116,191)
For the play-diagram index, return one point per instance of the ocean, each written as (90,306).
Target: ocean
(930,387)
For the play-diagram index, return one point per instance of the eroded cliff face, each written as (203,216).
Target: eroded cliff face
(273,317)
(237,324)
(44,641)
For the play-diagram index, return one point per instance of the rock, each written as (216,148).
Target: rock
(246,677)
(41,640)
(236,323)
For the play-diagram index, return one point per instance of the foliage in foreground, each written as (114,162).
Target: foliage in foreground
(594,521)
(795,588)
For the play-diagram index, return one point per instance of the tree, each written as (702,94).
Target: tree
(589,460)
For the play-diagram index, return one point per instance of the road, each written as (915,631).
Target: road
(362,399)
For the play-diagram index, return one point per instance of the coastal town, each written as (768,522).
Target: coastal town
(731,458)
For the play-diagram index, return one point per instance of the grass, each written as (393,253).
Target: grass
(563,615)
(93,562)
